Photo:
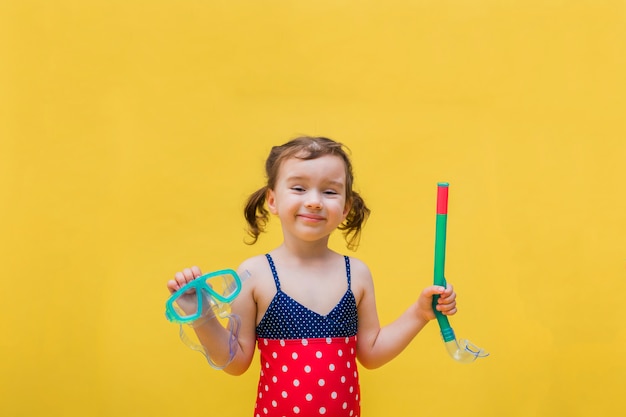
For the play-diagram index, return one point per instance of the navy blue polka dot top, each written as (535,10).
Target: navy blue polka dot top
(286,318)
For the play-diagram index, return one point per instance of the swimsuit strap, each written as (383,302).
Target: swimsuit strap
(273,268)
(347,259)
(277,281)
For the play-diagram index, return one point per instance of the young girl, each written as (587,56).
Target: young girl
(311,311)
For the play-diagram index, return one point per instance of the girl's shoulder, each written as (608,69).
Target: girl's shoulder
(360,273)
(259,283)
(362,282)
(255,260)
(358,266)
(257,265)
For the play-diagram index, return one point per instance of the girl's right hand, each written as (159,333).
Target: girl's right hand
(183,278)
(188,302)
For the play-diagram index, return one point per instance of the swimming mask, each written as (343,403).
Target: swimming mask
(207,297)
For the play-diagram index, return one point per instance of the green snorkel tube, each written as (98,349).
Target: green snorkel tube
(462,350)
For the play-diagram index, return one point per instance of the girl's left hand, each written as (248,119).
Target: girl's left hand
(446,304)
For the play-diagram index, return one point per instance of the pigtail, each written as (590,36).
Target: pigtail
(256,214)
(355,220)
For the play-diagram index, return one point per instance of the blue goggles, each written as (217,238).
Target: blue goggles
(207,292)
(207,297)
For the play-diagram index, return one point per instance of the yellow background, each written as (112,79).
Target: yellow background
(131,133)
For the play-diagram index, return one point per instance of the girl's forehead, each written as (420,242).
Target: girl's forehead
(326,165)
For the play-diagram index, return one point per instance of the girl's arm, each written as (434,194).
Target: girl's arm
(378,345)
(214,337)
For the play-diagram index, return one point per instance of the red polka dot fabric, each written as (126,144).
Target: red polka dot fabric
(308,378)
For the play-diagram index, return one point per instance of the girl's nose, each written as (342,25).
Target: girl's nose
(313,201)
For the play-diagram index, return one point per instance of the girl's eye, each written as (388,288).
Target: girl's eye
(297,188)
(331,192)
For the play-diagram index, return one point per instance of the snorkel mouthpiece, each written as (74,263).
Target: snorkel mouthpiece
(461,351)
(464,351)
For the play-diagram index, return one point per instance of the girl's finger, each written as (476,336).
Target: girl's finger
(449,312)
(446,307)
(172,286)
(188,274)
(448,295)
(196,271)
(180,279)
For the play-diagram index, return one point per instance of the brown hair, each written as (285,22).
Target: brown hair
(307,147)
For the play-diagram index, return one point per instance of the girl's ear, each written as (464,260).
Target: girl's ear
(346,208)
(270,199)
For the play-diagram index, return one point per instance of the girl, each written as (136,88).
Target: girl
(311,311)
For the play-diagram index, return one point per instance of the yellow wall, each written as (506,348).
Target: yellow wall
(131,133)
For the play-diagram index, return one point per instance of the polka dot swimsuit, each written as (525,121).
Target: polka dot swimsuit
(308,361)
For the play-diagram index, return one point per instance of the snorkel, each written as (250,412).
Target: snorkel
(460,350)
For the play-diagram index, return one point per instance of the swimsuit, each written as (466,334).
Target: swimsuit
(308,360)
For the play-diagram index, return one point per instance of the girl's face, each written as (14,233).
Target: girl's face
(310,197)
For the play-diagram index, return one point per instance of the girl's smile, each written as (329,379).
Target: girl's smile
(314,218)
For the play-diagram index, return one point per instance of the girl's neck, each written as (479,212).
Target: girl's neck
(305,251)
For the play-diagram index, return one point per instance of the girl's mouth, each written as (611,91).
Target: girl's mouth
(311,217)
